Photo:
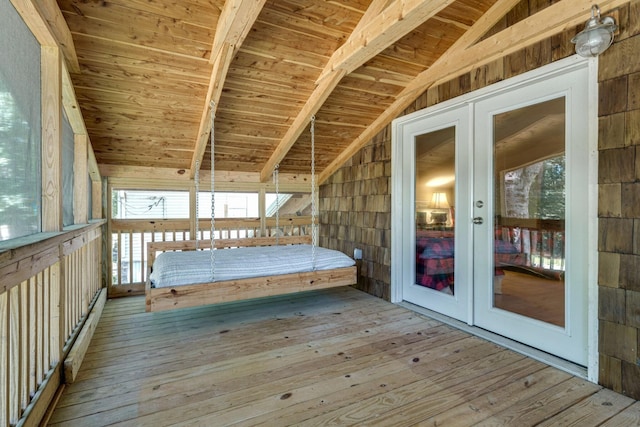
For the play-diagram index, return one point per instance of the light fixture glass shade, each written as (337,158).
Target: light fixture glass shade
(597,35)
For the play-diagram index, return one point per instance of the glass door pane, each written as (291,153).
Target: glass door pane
(529,225)
(532,204)
(431,239)
(434,218)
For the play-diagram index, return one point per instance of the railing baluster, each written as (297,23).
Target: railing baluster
(73,302)
(32,326)
(85,285)
(142,258)
(56,310)
(130,244)
(119,257)
(41,347)
(13,365)
(68,298)
(71,291)
(25,344)
(4,356)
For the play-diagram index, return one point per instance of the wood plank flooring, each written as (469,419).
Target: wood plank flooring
(532,296)
(334,357)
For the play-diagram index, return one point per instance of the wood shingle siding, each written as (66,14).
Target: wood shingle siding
(619,257)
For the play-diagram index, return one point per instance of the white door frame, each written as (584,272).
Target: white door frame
(459,117)
(401,196)
(568,341)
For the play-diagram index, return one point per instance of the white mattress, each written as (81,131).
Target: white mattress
(189,267)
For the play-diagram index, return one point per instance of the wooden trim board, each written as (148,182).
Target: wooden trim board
(76,354)
(159,299)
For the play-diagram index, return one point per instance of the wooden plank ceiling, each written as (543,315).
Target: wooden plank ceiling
(145,71)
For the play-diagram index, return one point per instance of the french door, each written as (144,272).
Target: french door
(436,254)
(496,208)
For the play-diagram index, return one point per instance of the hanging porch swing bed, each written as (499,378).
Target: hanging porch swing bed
(182,279)
(239,269)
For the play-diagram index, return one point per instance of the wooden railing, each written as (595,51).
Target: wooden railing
(129,239)
(542,242)
(46,289)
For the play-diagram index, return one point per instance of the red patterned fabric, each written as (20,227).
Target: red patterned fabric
(435,262)
(435,259)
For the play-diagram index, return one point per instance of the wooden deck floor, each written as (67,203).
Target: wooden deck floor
(335,357)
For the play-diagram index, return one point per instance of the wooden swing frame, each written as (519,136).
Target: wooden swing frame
(168,298)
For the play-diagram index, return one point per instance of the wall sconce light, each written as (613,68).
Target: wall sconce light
(597,35)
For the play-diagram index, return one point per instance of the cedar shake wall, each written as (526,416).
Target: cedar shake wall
(355,212)
(619,207)
(355,201)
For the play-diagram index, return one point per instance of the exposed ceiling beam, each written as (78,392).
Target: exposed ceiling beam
(317,98)
(461,59)
(218,74)
(375,8)
(472,35)
(234,24)
(52,14)
(47,24)
(385,28)
(384,22)
(486,22)
(552,20)
(127,175)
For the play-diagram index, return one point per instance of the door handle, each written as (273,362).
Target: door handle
(478,220)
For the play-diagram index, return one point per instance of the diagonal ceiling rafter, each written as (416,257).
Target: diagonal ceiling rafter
(384,23)
(234,24)
(464,56)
